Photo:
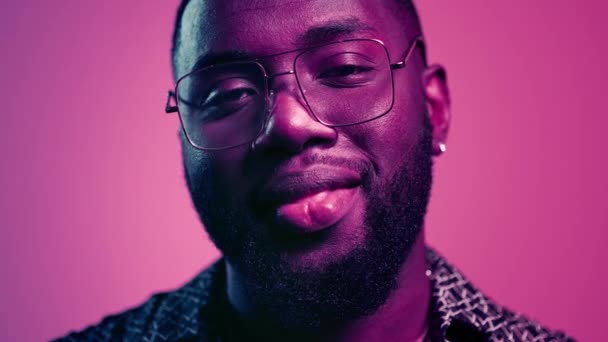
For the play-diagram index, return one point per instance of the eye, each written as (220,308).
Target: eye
(229,97)
(343,71)
(346,75)
(227,104)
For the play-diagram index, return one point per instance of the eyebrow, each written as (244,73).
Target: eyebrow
(213,58)
(332,31)
(316,35)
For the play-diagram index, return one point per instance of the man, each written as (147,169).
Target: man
(309,129)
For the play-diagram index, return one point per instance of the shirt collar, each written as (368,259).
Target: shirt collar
(458,310)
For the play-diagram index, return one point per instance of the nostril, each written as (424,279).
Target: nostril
(318,141)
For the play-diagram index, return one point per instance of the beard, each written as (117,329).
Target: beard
(356,285)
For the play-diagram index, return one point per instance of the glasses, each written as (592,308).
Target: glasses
(342,83)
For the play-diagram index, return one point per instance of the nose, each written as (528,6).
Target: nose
(290,127)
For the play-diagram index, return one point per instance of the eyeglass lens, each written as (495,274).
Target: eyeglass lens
(343,83)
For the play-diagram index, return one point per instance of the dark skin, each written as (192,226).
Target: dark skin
(376,152)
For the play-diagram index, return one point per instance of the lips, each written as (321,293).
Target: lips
(309,200)
(318,211)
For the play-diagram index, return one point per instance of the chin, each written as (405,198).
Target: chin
(320,258)
(330,246)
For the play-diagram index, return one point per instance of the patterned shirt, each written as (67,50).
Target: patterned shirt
(459,312)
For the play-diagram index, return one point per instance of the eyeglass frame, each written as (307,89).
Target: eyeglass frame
(174,94)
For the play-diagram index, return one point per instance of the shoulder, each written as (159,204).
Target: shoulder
(126,325)
(512,326)
(463,313)
(167,316)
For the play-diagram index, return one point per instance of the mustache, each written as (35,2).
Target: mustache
(290,172)
(356,165)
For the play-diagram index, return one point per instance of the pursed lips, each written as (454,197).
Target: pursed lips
(291,185)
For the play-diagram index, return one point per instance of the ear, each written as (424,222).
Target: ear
(437,94)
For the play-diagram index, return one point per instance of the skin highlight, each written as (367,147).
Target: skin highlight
(378,246)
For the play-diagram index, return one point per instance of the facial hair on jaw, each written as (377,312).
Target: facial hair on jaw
(351,288)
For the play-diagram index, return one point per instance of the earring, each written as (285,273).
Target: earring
(442,147)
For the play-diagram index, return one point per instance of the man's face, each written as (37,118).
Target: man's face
(318,219)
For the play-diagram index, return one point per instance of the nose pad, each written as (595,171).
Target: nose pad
(291,93)
(289,123)
(278,84)
(285,91)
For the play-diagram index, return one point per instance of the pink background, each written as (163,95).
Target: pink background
(94,211)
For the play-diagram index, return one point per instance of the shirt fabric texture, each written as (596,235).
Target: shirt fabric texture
(459,312)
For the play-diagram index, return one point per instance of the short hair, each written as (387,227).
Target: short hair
(177,30)
(408,5)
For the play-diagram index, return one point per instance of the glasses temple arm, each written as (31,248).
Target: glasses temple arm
(410,51)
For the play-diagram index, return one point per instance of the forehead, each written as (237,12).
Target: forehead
(263,27)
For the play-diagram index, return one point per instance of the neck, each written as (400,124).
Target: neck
(402,317)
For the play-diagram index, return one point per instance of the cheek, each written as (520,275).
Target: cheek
(403,127)
(228,170)
(390,140)
(218,170)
